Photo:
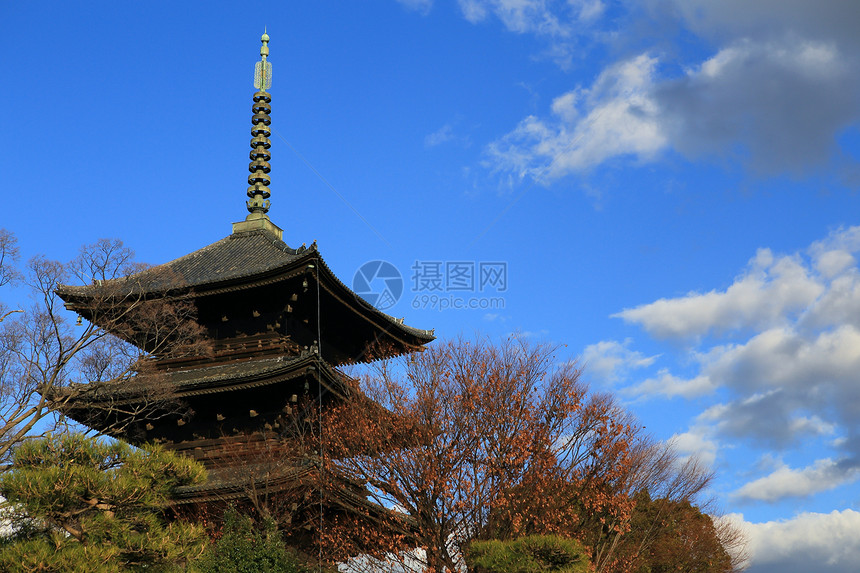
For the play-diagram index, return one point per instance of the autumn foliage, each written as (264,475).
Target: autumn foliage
(498,441)
(476,427)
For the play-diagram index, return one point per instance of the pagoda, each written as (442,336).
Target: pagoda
(278,323)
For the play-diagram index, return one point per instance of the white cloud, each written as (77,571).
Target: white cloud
(667,385)
(610,360)
(841,239)
(774,94)
(788,359)
(766,294)
(793,360)
(697,442)
(831,263)
(788,370)
(823,475)
(420,6)
(614,117)
(820,542)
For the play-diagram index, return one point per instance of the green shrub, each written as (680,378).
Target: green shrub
(534,554)
(244,548)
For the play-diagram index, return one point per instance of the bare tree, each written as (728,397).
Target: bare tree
(50,359)
(9,255)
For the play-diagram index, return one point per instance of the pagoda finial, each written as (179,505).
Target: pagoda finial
(258,181)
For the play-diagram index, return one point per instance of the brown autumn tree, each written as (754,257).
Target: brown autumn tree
(616,540)
(501,441)
(48,357)
(677,536)
(477,426)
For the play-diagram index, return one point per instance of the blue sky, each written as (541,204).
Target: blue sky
(671,185)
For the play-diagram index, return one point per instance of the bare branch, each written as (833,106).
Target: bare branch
(9,255)
(53,364)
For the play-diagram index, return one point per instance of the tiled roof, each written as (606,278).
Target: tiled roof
(234,257)
(189,378)
(246,373)
(229,483)
(240,259)
(202,380)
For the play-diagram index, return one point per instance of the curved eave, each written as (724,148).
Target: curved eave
(335,287)
(309,263)
(120,392)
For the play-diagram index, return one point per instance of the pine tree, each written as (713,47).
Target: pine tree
(80,504)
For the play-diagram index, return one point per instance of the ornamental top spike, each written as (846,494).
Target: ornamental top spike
(258,180)
(263,69)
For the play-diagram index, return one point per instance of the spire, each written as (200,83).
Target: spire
(258,180)
(259,167)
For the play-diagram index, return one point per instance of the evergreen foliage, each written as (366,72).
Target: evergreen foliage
(244,548)
(670,536)
(533,554)
(80,504)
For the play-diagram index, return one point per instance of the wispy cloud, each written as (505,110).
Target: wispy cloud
(420,6)
(823,475)
(446,134)
(610,361)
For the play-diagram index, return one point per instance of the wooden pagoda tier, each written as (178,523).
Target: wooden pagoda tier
(279,322)
(193,409)
(252,285)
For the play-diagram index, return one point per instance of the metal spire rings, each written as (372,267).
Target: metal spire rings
(258,180)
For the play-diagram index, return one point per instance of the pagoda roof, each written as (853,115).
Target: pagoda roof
(250,374)
(208,379)
(240,261)
(233,482)
(237,257)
